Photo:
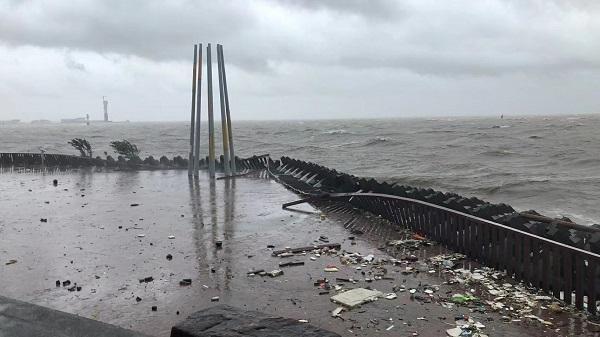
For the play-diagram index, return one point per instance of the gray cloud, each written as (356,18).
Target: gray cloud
(326,54)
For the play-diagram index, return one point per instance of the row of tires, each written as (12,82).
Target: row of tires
(61,160)
(311,176)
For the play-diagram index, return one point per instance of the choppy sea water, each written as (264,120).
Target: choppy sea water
(551,164)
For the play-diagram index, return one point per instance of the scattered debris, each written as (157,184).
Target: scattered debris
(356,297)
(331,269)
(171,237)
(390,296)
(275,273)
(219,244)
(337,311)
(291,264)
(134,205)
(147,279)
(185,282)
(214,299)
(305,249)
(169,257)
(154,308)
(460,298)
(11,262)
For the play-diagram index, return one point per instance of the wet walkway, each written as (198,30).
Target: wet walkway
(106,231)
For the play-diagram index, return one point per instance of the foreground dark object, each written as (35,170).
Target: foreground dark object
(224,321)
(20,319)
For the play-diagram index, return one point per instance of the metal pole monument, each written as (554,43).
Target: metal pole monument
(229,127)
(224,126)
(211,128)
(198,113)
(191,159)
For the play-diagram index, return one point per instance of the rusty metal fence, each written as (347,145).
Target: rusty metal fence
(568,273)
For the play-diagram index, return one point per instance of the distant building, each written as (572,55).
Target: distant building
(105,102)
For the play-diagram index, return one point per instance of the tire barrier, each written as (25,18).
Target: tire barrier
(545,256)
(314,179)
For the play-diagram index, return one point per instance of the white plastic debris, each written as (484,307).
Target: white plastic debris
(454,332)
(337,311)
(390,296)
(171,237)
(141,235)
(355,297)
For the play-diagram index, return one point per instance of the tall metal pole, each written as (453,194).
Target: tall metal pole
(198,113)
(192,119)
(224,126)
(211,128)
(229,127)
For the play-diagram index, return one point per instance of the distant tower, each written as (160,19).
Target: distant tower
(105,108)
(87,119)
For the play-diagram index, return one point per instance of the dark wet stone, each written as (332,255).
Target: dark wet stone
(20,319)
(222,320)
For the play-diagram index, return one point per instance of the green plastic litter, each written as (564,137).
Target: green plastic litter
(460,298)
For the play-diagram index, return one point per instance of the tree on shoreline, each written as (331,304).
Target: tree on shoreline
(83,146)
(126,149)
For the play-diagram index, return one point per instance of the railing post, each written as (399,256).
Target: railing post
(568,275)
(579,282)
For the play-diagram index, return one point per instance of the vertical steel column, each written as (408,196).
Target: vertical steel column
(224,126)
(198,112)
(192,119)
(229,127)
(211,128)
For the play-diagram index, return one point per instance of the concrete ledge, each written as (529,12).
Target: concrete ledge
(226,321)
(20,319)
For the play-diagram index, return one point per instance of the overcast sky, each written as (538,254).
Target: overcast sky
(301,59)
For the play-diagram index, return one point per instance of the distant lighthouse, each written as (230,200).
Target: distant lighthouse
(105,102)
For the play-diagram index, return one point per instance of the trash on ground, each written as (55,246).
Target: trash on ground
(356,297)
(275,273)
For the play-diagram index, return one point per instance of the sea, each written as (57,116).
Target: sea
(550,164)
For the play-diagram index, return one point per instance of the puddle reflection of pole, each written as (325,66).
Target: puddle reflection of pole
(228,229)
(213,216)
(197,220)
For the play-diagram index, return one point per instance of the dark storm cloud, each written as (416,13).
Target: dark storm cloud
(309,58)
(473,38)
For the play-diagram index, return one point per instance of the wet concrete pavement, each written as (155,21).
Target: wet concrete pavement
(106,231)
